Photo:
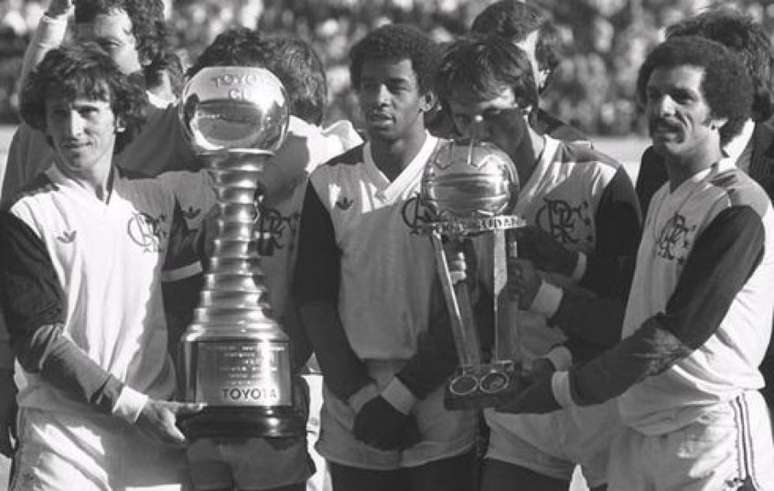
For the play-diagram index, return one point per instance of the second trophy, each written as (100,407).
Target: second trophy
(469,188)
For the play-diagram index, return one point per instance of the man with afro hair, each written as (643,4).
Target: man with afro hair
(367,290)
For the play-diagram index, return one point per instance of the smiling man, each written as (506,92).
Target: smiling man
(82,253)
(366,289)
(698,319)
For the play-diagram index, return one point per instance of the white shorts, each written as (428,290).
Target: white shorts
(444,433)
(59,451)
(319,480)
(729,446)
(552,444)
(247,464)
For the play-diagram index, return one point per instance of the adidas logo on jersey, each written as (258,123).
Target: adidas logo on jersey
(344,203)
(67,237)
(191,213)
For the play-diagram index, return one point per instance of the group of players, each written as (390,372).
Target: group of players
(643,340)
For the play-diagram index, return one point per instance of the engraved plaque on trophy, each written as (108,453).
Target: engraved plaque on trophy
(469,188)
(234,357)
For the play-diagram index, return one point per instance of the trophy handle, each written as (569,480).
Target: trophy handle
(455,290)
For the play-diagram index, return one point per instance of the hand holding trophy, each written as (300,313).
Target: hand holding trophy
(234,357)
(469,187)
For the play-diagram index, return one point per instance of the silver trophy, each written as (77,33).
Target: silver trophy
(469,188)
(234,357)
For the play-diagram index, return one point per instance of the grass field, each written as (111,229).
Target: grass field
(626,150)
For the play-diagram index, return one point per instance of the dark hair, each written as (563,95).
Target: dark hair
(301,71)
(239,46)
(291,59)
(726,86)
(84,70)
(747,39)
(168,66)
(148,26)
(515,20)
(483,66)
(401,42)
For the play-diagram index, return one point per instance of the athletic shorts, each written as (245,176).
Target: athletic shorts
(59,451)
(552,444)
(444,433)
(730,447)
(253,463)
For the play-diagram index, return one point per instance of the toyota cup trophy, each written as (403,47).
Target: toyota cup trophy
(469,187)
(234,357)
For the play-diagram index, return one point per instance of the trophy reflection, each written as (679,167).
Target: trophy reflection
(234,357)
(469,188)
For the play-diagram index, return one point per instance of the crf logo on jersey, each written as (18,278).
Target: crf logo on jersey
(146,231)
(416,214)
(567,224)
(273,231)
(673,240)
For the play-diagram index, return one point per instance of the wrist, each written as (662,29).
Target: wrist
(560,387)
(569,262)
(56,14)
(129,404)
(357,400)
(399,396)
(547,299)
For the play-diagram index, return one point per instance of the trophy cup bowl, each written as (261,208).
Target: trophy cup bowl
(469,188)
(234,357)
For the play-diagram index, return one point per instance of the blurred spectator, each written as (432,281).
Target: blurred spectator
(603,42)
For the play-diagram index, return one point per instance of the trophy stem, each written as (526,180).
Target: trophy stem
(236,358)
(452,276)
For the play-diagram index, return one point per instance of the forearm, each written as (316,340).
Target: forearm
(49,35)
(61,363)
(343,371)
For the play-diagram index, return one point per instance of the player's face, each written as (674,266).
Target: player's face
(390,98)
(679,118)
(113,31)
(498,120)
(82,132)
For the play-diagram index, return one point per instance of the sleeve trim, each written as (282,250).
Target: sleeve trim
(397,394)
(580,267)
(547,299)
(182,272)
(560,386)
(561,357)
(129,404)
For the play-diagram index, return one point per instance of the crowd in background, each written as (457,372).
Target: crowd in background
(604,42)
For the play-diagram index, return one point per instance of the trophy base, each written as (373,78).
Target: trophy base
(481,387)
(243,422)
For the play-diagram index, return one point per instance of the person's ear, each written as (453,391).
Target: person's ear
(120,126)
(427,101)
(542,78)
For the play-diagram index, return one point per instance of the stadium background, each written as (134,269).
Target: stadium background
(603,44)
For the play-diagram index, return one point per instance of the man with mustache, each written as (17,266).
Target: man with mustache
(699,313)
(367,289)
(753,148)
(573,193)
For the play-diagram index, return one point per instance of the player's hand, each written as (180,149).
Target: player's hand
(59,7)
(7,412)
(380,425)
(539,369)
(548,254)
(523,281)
(532,397)
(158,419)
(208,230)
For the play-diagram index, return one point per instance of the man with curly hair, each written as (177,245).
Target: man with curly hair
(753,148)
(367,289)
(133,33)
(83,250)
(530,28)
(699,315)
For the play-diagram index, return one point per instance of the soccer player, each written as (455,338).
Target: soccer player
(753,147)
(580,197)
(257,463)
(530,28)
(699,315)
(82,253)
(365,287)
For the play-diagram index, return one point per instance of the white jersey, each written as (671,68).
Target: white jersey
(586,201)
(109,258)
(726,364)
